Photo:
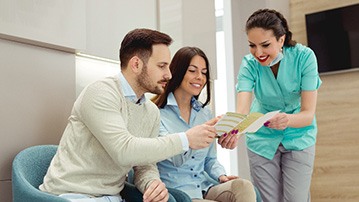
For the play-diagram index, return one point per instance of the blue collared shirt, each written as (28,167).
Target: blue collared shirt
(128,91)
(186,171)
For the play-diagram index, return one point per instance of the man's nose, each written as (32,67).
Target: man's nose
(168,74)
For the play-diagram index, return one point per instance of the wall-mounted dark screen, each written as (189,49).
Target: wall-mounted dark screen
(334,37)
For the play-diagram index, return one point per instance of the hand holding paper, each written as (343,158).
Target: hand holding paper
(239,124)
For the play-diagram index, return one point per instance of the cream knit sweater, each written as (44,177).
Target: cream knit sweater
(105,137)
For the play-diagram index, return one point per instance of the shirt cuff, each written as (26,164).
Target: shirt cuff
(184,140)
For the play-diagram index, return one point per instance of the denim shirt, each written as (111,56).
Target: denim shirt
(186,171)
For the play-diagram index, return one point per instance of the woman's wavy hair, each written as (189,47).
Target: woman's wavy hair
(271,20)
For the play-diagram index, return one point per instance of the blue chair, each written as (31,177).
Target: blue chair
(28,170)
(30,166)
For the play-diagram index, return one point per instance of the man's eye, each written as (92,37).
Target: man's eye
(251,45)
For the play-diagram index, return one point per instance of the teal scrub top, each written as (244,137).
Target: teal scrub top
(298,71)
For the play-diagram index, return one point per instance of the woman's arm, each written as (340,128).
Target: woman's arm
(301,119)
(244,101)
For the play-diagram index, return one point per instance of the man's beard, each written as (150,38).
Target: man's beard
(145,82)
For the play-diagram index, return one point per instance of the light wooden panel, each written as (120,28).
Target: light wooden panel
(336,173)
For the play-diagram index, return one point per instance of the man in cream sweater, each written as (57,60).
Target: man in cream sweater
(113,128)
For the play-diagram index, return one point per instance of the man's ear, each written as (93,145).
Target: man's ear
(135,63)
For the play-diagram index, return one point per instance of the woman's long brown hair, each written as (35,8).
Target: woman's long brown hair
(179,65)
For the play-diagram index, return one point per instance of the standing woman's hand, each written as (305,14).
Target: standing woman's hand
(280,121)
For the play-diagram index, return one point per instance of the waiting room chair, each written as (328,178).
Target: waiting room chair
(28,170)
(30,166)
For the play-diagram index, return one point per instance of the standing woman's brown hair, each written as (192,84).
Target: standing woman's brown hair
(268,19)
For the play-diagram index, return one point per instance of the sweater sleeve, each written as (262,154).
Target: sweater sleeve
(100,110)
(144,175)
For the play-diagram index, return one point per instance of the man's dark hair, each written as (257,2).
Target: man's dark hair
(139,43)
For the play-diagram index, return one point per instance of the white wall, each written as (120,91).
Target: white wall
(190,23)
(107,22)
(89,70)
(56,23)
(38,42)
(37,93)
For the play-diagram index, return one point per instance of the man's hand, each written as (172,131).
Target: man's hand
(202,136)
(156,192)
(213,121)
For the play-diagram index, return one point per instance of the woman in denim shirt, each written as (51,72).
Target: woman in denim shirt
(181,110)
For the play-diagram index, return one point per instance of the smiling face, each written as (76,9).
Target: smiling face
(263,45)
(195,78)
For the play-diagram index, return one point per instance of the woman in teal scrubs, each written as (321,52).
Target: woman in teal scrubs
(282,75)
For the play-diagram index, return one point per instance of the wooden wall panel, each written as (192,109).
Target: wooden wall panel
(336,173)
